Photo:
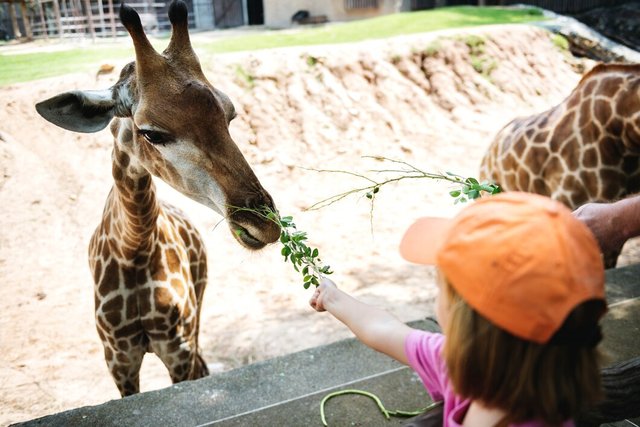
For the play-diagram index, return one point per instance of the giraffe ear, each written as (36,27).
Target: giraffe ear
(79,111)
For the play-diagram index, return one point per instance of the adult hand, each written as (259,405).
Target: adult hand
(605,222)
(317,300)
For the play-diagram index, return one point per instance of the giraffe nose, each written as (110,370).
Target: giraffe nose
(252,227)
(261,202)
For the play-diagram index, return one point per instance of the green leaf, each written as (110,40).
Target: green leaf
(315,253)
(454,193)
(325,270)
(299,236)
(306,285)
(471,180)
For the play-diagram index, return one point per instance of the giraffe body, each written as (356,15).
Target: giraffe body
(150,272)
(585,149)
(148,261)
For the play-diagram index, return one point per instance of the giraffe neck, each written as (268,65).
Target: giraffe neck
(132,207)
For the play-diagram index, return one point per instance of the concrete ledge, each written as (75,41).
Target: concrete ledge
(236,397)
(286,391)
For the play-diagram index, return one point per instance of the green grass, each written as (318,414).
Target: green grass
(30,66)
(560,42)
(16,68)
(381,27)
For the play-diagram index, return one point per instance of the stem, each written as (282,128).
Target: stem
(376,399)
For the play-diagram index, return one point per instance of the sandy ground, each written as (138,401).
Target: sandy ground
(416,99)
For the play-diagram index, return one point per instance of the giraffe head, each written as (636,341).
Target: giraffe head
(173,123)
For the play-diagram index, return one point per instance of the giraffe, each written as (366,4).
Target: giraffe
(148,261)
(585,149)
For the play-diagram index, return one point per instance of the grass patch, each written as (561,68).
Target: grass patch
(380,27)
(244,77)
(25,67)
(560,42)
(432,48)
(31,66)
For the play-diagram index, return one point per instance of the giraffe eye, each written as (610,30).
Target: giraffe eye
(155,137)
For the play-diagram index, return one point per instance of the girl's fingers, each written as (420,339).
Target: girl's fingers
(314,301)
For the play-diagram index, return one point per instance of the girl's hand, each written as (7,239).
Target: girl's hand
(318,297)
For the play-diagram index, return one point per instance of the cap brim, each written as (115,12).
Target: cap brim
(424,238)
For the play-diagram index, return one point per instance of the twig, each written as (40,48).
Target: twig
(468,188)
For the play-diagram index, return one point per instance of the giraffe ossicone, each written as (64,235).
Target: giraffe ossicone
(585,149)
(148,261)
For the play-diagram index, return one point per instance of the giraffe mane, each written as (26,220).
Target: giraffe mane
(608,68)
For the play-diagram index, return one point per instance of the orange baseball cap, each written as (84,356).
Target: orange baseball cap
(521,260)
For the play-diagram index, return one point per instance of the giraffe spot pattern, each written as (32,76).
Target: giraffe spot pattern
(610,151)
(602,111)
(109,280)
(173,260)
(570,153)
(631,137)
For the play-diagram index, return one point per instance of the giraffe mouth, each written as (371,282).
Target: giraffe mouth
(245,238)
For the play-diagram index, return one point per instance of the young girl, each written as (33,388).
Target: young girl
(521,294)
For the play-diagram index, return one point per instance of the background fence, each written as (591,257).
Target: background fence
(82,18)
(98,18)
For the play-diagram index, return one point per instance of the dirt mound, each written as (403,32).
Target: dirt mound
(433,100)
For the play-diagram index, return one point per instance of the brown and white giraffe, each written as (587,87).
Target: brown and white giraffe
(586,149)
(148,261)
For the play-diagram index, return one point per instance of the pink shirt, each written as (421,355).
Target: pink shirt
(424,352)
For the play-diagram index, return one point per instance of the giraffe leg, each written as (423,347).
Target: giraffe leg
(181,358)
(125,367)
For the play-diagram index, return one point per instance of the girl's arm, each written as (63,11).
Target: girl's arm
(374,327)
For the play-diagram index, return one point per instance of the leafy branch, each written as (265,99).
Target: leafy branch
(305,259)
(465,188)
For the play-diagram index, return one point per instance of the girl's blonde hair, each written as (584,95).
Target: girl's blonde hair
(548,382)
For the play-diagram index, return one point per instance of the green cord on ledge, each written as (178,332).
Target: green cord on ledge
(375,398)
